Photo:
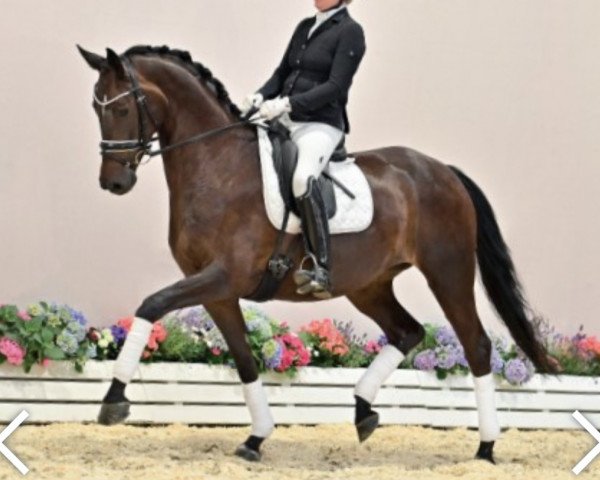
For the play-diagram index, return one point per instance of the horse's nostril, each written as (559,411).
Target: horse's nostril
(116,187)
(103,184)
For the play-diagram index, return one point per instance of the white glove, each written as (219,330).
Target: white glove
(273,108)
(252,100)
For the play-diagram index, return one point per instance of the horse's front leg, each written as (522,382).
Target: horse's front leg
(227,315)
(208,285)
(211,289)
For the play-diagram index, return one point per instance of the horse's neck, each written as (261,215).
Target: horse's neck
(197,174)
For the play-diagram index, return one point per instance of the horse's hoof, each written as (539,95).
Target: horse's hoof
(486,452)
(243,451)
(113,413)
(367,426)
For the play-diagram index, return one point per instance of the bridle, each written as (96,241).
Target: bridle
(142,146)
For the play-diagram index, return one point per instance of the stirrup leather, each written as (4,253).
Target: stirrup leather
(315,230)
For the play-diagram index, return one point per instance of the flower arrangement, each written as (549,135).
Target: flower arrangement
(325,342)
(43,332)
(109,341)
(47,331)
(442,352)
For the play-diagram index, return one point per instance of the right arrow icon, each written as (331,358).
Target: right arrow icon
(593,453)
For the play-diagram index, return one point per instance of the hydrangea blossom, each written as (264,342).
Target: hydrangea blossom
(13,352)
(272,351)
(425,360)
(67,342)
(77,330)
(517,371)
(447,356)
(496,362)
(445,336)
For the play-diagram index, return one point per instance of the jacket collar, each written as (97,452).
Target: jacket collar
(331,21)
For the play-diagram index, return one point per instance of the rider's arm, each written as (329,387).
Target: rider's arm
(273,86)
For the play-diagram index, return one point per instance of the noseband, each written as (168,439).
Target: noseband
(141,146)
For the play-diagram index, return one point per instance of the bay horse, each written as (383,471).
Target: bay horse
(427,215)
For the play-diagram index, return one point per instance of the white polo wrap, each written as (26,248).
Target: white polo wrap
(129,358)
(386,361)
(485,391)
(256,400)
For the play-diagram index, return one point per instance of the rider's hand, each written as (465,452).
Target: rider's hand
(252,100)
(273,108)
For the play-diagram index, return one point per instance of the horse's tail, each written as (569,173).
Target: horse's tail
(500,279)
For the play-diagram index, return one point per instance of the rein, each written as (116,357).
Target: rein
(143,147)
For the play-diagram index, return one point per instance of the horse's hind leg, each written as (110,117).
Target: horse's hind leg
(451,277)
(378,302)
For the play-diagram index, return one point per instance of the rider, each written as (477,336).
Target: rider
(309,90)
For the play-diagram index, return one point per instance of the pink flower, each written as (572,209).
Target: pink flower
(293,354)
(330,337)
(23,315)
(157,335)
(125,323)
(589,345)
(216,351)
(372,347)
(13,352)
(45,362)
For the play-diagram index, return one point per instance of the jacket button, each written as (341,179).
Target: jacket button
(304,47)
(298,62)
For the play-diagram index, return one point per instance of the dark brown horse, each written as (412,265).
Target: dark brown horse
(427,215)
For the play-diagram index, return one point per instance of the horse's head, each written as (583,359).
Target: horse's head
(127,122)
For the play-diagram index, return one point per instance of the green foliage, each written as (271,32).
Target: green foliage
(181,345)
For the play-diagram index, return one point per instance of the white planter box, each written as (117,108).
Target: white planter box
(203,394)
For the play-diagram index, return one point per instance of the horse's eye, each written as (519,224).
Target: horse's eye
(122,112)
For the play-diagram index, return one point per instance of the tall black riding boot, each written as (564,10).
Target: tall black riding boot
(315,229)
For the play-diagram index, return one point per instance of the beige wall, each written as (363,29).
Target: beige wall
(507,90)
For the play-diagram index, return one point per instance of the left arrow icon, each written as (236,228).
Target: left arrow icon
(4,450)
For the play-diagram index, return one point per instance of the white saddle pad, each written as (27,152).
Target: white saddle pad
(352,215)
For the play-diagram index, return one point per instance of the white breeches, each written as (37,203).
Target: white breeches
(316,142)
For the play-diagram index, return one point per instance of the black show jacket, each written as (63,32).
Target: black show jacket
(316,73)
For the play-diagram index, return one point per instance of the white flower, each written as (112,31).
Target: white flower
(103,343)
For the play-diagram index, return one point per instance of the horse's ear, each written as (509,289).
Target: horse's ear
(114,62)
(95,61)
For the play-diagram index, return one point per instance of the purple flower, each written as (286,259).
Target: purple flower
(462,359)
(77,316)
(446,336)
(425,360)
(382,341)
(517,371)
(118,333)
(447,356)
(496,362)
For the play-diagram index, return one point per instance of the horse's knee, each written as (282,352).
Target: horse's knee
(153,308)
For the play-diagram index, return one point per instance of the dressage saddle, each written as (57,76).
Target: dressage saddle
(285,159)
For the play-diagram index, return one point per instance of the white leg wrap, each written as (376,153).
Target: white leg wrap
(129,358)
(386,361)
(256,400)
(485,390)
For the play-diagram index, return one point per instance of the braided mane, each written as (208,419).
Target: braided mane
(199,70)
